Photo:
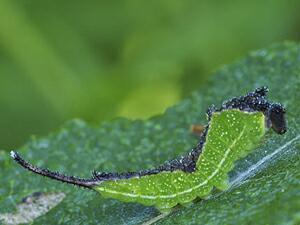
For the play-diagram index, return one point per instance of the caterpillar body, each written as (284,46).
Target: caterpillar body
(233,132)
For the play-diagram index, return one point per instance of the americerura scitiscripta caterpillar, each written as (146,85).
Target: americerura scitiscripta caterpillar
(232,132)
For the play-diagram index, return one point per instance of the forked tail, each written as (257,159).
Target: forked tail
(81,182)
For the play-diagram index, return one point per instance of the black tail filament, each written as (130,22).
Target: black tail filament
(81,182)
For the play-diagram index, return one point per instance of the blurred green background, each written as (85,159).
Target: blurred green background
(97,60)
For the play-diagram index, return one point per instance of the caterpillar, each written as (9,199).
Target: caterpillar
(232,132)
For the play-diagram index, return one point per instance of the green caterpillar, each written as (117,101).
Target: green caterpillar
(232,132)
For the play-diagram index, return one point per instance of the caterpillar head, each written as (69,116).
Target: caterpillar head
(276,117)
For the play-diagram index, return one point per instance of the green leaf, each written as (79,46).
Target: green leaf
(265,185)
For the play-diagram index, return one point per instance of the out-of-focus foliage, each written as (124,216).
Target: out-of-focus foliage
(100,59)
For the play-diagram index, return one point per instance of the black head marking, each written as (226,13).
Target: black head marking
(276,118)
